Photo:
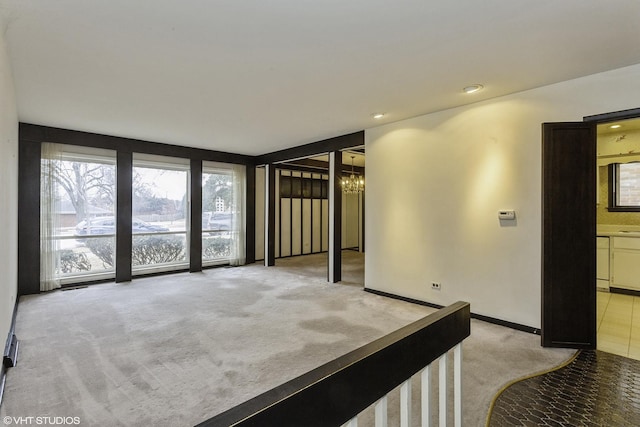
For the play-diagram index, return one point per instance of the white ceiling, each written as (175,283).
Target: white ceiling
(256,76)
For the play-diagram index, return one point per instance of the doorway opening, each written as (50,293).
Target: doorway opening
(569,190)
(618,237)
(302,207)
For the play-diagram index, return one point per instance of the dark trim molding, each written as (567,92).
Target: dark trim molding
(38,133)
(624,291)
(612,174)
(337,143)
(335,273)
(364,217)
(10,354)
(270,211)
(613,116)
(307,164)
(488,319)
(124,212)
(250,214)
(29,217)
(195,215)
(318,166)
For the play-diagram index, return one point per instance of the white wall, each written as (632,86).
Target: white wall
(8,193)
(435,184)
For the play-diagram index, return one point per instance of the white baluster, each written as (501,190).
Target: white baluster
(442,411)
(353,422)
(425,395)
(405,404)
(381,412)
(457,384)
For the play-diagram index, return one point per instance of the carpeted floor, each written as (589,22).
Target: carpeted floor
(175,350)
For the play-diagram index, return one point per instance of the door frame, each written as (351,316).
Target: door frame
(596,120)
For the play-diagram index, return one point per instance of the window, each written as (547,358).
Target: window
(223,213)
(302,187)
(77,214)
(160,213)
(624,187)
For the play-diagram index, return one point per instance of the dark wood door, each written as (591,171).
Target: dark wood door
(569,235)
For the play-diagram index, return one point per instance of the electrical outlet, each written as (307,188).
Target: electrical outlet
(435,285)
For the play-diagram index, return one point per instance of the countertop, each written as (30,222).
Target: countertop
(618,230)
(618,233)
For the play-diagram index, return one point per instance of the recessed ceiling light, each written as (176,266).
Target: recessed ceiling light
(472,88)
(377,115)
(614,126)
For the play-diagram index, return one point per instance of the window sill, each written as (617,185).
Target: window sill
(624,209)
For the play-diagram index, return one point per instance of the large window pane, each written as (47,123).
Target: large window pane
(78,213)
(223,214)
(160,214)
(217,215)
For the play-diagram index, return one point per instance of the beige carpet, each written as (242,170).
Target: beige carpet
(175,350)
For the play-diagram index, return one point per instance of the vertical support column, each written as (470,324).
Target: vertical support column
(124,212)
(250,215)
(195,227)
(335,217)
(29,154)
(270,216)
(362,217)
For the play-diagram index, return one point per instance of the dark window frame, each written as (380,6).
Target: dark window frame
(31,136)
(613,171)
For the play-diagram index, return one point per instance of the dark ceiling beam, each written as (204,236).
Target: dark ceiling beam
(311,163)
(337,143)
(317,166)
(613,116)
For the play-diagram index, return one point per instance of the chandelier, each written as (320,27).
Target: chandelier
(354,184)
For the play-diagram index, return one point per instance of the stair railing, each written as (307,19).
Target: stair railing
(336,392)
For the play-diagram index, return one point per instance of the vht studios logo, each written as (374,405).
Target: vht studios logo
(41,421)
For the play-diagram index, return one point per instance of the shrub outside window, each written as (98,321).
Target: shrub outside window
(160,205)
(78,214)
(223,231)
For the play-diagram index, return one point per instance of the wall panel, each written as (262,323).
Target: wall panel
(285,228)
(325,225)
(296,226)
(318,219)
(306,226)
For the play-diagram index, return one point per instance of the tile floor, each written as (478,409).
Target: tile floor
(618,323)
(595,389)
